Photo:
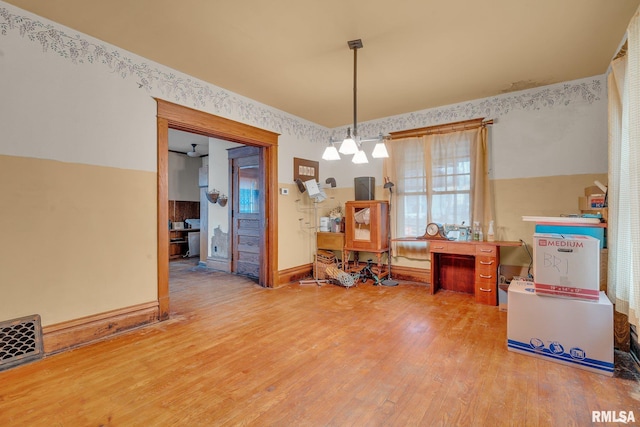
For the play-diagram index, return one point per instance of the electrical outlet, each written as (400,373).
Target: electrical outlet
(284,191)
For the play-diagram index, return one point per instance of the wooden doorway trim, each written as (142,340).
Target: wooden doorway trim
(178,117)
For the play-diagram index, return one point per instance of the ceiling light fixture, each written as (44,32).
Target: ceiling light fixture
(352,144)
(193,153)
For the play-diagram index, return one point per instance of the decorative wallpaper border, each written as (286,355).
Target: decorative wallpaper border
(158,81)
(173,86)
(559,95)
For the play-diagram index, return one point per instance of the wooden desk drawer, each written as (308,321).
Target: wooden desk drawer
(486,277)
(486,265)
(331,241)
(486,250)
(452,248)
(486,262)
(486,293)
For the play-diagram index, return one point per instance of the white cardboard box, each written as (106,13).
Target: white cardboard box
(566,265)
(572,332)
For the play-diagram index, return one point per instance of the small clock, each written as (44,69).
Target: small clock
(434,231)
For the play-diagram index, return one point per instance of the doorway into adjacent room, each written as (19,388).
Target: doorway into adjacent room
(264,143)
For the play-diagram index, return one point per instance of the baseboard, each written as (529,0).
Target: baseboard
(420,275)
(294,274)
(74,333)
(220,264)
(412,274)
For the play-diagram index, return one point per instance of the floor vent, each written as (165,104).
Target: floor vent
(20,341)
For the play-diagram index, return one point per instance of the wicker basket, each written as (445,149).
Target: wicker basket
(324,259)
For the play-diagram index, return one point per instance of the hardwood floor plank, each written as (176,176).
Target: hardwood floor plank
(234,353)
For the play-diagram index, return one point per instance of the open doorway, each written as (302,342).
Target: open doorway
(173,116)
(188,158)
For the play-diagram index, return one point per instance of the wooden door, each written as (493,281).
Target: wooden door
(247,212)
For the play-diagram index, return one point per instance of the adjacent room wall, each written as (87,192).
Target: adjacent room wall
(183,177)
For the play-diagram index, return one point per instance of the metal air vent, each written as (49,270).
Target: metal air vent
(20,341)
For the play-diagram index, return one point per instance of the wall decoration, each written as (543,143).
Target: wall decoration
(305,170)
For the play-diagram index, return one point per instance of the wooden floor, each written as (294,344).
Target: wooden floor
(306,355)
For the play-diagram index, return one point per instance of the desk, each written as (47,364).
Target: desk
(330,241)
(476,262)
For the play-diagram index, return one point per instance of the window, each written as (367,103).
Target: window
(435,177)
(451,182)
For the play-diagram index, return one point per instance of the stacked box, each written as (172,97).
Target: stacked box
(566,266)
(593,203)
(593,230)
(567,331)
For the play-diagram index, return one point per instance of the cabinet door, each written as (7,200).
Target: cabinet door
(366,225)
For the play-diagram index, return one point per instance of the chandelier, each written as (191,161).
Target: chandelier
(352,144)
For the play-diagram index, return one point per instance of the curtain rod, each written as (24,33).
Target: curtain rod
(438,129)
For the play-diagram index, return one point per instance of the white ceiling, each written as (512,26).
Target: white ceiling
(417,54)
(181,141)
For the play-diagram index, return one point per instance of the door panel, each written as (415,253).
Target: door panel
(248,212)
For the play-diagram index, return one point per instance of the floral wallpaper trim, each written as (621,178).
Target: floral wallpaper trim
(162,83)
(559,95)
(179,88)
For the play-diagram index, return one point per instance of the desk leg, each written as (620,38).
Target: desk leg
(434,273)
(346,254)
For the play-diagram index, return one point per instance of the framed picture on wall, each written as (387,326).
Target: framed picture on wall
(304,170)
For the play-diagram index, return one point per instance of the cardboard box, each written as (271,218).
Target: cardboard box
(566,265)
(595,230)
(503,288)
(593,201)
(593,189)
(571,332)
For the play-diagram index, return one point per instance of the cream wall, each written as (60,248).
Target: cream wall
(77,238)
(183,177)
(78,163)
(219,180)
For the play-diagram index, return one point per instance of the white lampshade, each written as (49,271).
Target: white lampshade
(360,157)
(380,150)
(331,153)
(348,146)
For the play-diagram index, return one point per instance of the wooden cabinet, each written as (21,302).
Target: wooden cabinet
(179,242)
(367,225)
(179,211)
(366,230)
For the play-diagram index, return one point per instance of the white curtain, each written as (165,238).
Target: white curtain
(623,282)
(438,178)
